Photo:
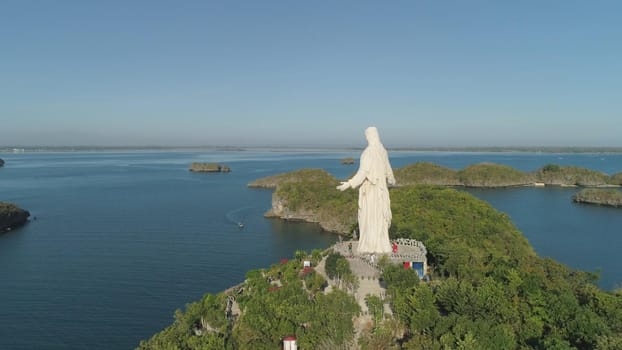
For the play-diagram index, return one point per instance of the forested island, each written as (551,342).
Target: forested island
(209,168)
(490,175)
(1,163)
(606,197)
(485,175)
(12,216)
(314,187)
(489,290)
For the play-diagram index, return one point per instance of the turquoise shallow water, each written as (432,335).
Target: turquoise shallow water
(121,240)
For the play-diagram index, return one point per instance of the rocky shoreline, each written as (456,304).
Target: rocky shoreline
(12,216)
(280,210)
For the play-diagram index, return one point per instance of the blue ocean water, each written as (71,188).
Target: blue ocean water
(121,240)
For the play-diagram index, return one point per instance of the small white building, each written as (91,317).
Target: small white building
(289,343)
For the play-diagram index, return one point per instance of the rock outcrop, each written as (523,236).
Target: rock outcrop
(209,168)
(330,223)
(11,216)
(1,163)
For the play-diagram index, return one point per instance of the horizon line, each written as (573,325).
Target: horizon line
(83,148)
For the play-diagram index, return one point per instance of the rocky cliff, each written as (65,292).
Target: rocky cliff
(303,194)
(328,222)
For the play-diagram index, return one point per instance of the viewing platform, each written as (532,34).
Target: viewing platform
(408,251)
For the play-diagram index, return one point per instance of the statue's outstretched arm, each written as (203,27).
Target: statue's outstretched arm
(354,182)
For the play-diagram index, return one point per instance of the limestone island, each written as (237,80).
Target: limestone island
(1,163)
(485,287)
(11,216)
(482,175)
(209,168)
(605,197)
(347,161)
(491,175)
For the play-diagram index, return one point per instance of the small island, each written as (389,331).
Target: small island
(347,161)
(12,216)
(209,168)
(599,196)
(1,163)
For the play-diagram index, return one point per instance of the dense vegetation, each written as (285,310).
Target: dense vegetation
(425,173)
(310,195)
(12,216)
(608,197)
(553,174)
(276,302)
(493,175)
(489,290)
(464,236)
(497,175)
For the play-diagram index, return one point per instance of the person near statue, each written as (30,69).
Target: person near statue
(374,209)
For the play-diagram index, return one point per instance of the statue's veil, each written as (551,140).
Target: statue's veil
(374,157)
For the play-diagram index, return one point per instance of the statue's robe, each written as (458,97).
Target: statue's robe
(374,211)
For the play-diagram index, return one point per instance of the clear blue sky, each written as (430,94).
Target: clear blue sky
(426,73)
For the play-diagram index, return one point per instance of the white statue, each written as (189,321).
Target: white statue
(374,204)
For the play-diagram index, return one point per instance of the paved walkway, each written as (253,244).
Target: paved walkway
(368,275)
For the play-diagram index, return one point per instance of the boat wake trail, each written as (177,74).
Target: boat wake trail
(238,216)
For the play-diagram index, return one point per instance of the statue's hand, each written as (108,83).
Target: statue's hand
(391,181)
(344,186)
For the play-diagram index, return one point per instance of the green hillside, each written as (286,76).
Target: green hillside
(489,290)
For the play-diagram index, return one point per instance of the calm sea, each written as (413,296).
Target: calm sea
(121,240)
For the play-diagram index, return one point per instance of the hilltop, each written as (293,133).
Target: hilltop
(489,290)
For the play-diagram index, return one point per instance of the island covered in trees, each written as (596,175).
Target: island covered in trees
(12,216)
(209,168)
(488,288)
(483,175)
(607,197)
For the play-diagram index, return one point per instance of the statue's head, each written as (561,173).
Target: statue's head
(372,136)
